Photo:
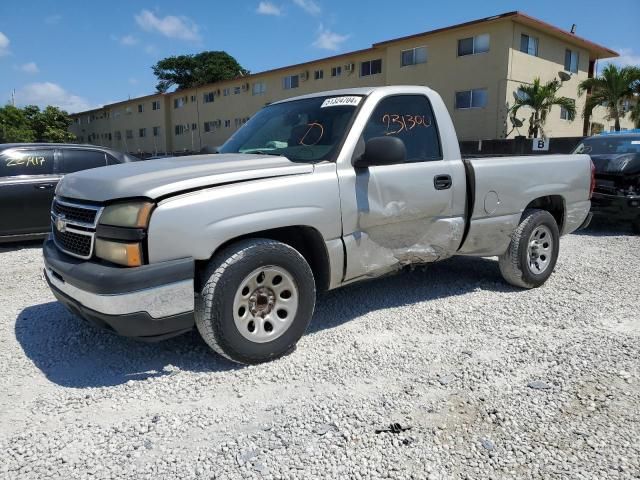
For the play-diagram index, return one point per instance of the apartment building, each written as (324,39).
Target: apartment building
(476,67)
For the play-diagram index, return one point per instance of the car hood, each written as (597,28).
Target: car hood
(155,179)
(617,164)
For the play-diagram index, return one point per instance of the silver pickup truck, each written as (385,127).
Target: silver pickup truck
(313,193)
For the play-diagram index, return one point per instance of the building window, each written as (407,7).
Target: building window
(179,102)
(473,45)
(193,99)
(194,126)
(207,97)
(129,134)
(476,98)
(140,108)
(259,88)
(226,92)
(142,132)
(127,110)
(155,105)
(118,135)
(179,129)
(371,67)
(291,81)
(413,56)
(564,113)
(209,126)
(156,131)
(529,45)
(236,90)
(318,74)
(571,60)
(227,123)
(336,71)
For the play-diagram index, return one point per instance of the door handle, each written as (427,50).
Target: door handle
(442,182)
(43,186)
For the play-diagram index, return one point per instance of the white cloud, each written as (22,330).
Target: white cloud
(182,28)
(308,6)
(268,8)
(627,58)
(4,44)
(29,67)
(53,19)
(47,93)
(133,81)
(128,40)
(328,40)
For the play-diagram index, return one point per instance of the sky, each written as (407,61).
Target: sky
(82,54)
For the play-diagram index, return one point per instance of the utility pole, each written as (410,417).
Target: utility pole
(13,97)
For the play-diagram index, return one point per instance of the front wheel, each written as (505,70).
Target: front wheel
(533,251)
(257,299)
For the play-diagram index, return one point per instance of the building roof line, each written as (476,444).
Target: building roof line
(514,15)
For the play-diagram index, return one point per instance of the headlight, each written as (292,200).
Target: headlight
(127,254)
(131,214)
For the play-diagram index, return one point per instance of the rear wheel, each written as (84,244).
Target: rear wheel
(256,302)
(533,251)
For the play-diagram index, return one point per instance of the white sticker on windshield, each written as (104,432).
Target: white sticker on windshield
(635,142)
(338,101)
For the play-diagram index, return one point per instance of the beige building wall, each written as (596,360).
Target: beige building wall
(195,123)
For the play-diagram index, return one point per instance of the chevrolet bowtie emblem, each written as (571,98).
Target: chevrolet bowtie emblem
(61,224)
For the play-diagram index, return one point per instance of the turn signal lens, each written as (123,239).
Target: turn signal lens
(127,254)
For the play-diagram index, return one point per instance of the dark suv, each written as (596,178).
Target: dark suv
(29,173)
(616,158)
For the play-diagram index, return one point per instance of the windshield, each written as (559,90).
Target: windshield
(609,145)
(307,130)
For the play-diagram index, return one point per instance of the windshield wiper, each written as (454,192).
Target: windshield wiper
(262,152)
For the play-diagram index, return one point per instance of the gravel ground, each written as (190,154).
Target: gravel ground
(494,382)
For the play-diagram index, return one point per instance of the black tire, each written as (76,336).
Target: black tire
(514,264)
(221,281)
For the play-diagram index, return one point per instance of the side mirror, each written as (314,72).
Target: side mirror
(382,151)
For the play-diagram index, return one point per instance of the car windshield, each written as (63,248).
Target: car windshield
(307,130)
(609,145)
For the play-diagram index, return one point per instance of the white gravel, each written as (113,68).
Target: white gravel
(494,382)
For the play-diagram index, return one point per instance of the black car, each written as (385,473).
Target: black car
(29,173)
(616,158)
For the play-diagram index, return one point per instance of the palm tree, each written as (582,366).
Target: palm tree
(540,98)
(610,90)
(635,111)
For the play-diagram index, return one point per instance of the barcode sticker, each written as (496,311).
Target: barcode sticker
(339,101)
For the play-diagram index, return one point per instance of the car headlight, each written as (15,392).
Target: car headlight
(127,254)
(130,214)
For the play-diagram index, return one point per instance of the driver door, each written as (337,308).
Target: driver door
(404,212)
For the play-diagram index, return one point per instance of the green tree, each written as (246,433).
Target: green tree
(540,98)
(30,124)
(186,71)
(610,90)
(15,126)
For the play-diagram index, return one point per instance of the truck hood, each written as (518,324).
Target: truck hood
(155,179)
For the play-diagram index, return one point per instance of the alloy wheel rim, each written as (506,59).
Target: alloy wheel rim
(540,249)
(265,304)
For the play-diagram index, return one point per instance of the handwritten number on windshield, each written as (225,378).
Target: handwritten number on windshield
(317,135)
(400,123)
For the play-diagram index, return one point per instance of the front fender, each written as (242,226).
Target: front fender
(195,224)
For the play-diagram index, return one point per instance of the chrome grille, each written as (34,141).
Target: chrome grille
(73,226)
(80,244)
(80,214)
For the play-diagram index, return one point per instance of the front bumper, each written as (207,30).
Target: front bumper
(150,302)
(621,207)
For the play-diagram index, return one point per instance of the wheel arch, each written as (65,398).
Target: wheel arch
(308,241)
(554,204)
